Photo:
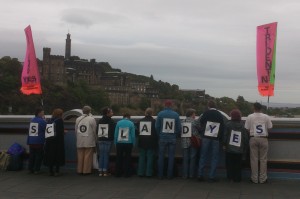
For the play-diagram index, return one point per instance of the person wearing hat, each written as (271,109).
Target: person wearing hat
(258,124)
(168,127)
(236,141)
(85,131)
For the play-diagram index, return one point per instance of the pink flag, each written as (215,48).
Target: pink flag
(266,58)
(30,74)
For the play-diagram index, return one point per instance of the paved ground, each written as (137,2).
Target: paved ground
(19,184)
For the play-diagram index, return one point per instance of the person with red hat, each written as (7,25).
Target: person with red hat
(168,127)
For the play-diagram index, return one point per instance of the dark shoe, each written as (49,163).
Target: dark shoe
(253,182)
(200,178)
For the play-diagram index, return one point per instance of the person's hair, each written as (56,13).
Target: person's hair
(86,110)
(257,106)
(126,115)
(211,104)
(57,113)
(190,112)
(106,110)
(236,115)
(38,110)
(149,112)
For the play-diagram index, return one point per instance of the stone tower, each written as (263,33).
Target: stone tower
(68,47)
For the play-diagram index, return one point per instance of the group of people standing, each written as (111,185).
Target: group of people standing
(46,142)
(156,137)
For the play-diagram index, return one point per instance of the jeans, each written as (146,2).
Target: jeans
(123,159)
(35,159)
(145,162)
(103,151)
(189,162)
(207,145)
(170,146)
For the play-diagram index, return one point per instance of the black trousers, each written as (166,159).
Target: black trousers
(123,161)
(234,166)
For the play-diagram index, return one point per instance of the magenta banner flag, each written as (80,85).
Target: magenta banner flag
(30,75)
(266,58)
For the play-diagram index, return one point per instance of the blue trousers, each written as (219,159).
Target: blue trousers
(163,146)
(189,161)
(103,151)
(209,146)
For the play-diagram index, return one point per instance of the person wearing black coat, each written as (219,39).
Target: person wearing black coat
(105,131)
(55,144)
(147,143)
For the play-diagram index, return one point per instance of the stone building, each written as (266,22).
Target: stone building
(119,87)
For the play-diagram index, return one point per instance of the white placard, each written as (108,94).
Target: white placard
(186,130)
(50,130)
(235,138)
(212,129)
(123,134)
(103,130)
(145,128)
(168,125)
(34,129)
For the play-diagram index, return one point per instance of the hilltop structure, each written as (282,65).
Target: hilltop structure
(119,86)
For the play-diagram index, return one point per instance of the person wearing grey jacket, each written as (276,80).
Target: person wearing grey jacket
(236,141)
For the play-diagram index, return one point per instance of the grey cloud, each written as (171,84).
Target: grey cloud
(88,18)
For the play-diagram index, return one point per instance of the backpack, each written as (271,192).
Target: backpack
(4,160)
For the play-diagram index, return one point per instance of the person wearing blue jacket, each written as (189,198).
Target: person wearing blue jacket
(168,127)
(36,140)
(124,140)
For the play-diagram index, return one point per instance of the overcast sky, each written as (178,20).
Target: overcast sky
(195,44)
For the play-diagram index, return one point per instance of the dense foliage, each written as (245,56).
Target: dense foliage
(72,96)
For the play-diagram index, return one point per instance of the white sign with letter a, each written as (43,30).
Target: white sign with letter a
(145,128)
(212,129)
(34,129)
(50,130)
(186,131)
(235,138)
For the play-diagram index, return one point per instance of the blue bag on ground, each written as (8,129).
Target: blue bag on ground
(15,163)
(16,149)
(16,152)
